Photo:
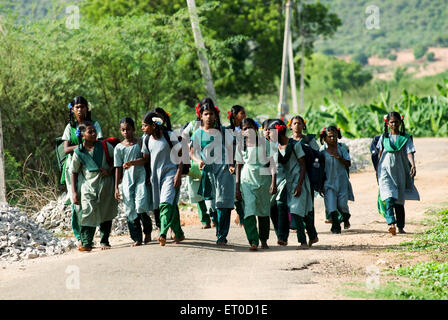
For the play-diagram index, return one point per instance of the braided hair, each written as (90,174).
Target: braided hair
(324,132)
(71,117)
(253,125)
(160,128)
(233,112)
(397,116)
(166,118)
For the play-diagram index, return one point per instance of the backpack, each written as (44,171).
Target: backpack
(60,153)
(315,166)
(113,141)
(374,150)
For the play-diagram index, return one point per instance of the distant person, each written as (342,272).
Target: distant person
(253,184)
(396,171)
(92,182)
(337,187)
(78,113)
(132,190)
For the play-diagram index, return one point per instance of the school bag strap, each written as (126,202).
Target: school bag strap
(91,162)
(113,141)
(315,167)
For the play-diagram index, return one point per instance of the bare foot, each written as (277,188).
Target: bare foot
(105,246)
(392,230)
(253,247)
(162,240)
(136,244)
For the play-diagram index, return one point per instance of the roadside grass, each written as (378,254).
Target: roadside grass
(422,281)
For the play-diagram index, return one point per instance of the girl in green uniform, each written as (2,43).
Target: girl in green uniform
(217,183)
(165,174)
(92,182)
(253,183)
(78,113)
(396,171)
(291,159)
(337,186)
(236,116)
(194,180)
(133,189)
(298,125)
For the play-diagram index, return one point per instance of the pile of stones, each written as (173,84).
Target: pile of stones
(22,238)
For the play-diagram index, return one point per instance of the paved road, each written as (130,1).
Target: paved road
(198,269)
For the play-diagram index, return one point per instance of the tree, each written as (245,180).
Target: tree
(256,60)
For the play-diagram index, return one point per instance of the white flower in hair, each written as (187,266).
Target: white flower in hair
(158,121)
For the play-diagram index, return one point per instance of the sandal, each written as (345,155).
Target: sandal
(85,249)
(105,246)
(253,247)
(346,225)
(206,226)
(282,243)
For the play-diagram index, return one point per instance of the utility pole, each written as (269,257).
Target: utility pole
(203,61)
(302,63)
(2,158)
(292,76)
(283,107)
(2,166)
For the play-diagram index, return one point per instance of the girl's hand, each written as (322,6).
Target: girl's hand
(117,195)
(177,180)
(127,165)
(298,190)
(231,169)
(413,171)
(75,197)
(201,165)
(273,189)
(238,195)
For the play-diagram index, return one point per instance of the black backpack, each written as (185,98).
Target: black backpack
(315,166)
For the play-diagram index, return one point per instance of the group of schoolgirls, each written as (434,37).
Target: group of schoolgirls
(98,174)
(265,178)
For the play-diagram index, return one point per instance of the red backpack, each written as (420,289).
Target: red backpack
(113,141)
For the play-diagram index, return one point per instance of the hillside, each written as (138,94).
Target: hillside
(403,24)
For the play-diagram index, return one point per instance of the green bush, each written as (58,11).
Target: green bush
(361,58)
(430,56)
(392,57)
(419,51)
